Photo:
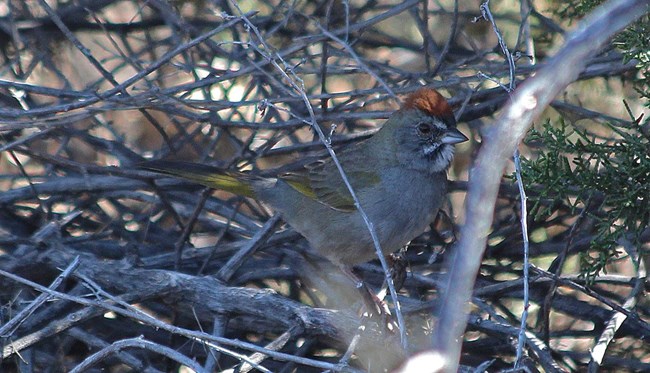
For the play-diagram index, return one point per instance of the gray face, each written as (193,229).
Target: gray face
(430,136)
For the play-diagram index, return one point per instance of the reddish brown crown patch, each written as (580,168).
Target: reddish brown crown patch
(429,101)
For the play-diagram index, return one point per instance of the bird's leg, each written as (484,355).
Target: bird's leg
(374,305)
(397,267)
(443,231)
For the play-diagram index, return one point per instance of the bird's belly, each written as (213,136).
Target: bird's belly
(343,236)
(395,221)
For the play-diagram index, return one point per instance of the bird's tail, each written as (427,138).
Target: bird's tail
(212,177)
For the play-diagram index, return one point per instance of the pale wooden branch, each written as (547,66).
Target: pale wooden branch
(500,140)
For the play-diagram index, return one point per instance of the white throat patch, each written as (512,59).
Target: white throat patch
(440,156)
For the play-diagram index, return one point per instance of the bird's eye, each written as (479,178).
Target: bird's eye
(424,129)
(428,130)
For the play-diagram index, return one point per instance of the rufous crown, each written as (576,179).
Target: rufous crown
(429,101)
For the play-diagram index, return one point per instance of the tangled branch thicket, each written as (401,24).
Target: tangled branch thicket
(103,266)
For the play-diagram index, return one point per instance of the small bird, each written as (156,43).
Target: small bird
(399,176)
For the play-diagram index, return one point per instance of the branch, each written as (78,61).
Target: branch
(499,142)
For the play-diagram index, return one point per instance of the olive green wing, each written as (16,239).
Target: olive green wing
(321,181)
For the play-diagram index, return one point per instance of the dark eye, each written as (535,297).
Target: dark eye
(427,130)
(424,129)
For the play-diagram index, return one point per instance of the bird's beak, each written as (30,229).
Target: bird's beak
(453,136)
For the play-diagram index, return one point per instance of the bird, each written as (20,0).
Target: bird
(399,176)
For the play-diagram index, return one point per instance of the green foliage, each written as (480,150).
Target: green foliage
(574,8)
(634,43)
(607,175)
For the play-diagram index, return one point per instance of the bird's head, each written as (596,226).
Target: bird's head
(424,131)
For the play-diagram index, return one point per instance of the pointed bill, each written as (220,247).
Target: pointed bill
(453,136)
